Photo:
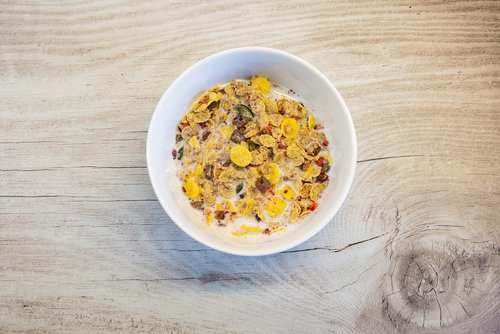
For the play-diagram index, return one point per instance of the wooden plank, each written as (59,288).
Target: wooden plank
(85,246)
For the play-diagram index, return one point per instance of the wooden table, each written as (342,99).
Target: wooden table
(85,246)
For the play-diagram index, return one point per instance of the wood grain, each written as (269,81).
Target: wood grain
(85,246)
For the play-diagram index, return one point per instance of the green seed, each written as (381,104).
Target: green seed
(252,146)
(181,153)
(245,111)
(239,187)
(214,105)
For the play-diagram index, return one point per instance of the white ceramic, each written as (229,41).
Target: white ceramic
(313,88)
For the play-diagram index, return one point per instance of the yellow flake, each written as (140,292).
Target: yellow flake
(192,189)
(194,142)
(267,140)
(295,210)
(288,192)
(276,119)
(212,143)
(274,173)
(251,229)
(298,161)
(325,156)
(240,155)
(198,170)
(229,206)
(316,190)
(201,117)
(238,234)
(316,171)
(310,122)
(275,206)
(305,189)
(209,217)
(244,207)
(290,128)
(271,106)
(226,190)
(307,174)
(261,84)
(293,151)
(227,131)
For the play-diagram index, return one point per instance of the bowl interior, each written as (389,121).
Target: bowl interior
(290,72)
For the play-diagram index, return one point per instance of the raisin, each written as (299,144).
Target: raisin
(304,165)
(326,167)
(262,184)
(174,153)
(178,138)
(197,205)
(205,135)
(237,137)
(219,215)
(314,150)
(322,178)
(265,131)
(240,122)
(209,172)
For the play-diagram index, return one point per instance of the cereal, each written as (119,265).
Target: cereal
(288,192)
(240,155)
(290,128)
(293,151)
(191,188)
(310,122)
(248,151)
(295,210)
(267,140)
(275,206)
(261,84)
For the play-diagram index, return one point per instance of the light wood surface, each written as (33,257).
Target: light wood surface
(85,247)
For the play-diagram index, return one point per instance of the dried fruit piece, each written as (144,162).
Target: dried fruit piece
(262,184)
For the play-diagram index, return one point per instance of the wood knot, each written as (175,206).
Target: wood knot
(435,281)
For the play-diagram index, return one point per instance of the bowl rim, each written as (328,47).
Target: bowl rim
(309,233)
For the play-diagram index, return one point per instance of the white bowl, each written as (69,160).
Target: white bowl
(319,96)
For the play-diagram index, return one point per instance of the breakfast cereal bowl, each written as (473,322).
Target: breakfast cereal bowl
(291,76)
